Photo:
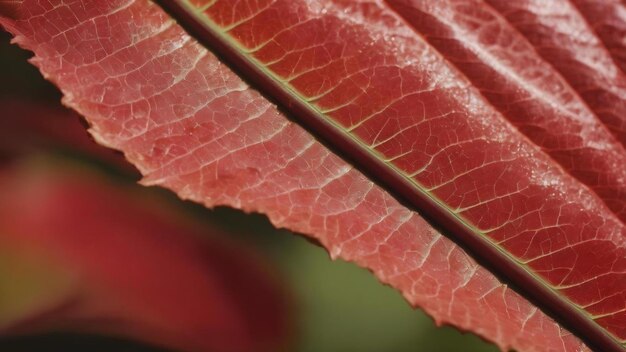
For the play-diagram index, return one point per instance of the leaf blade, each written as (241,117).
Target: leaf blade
(509,253)
(522,77)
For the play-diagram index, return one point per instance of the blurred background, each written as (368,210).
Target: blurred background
(337,306)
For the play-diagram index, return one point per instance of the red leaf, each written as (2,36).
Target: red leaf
(528,90)
(358,75)
(608,19)
(583,60)
(122,262)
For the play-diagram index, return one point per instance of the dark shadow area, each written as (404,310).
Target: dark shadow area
(19,78)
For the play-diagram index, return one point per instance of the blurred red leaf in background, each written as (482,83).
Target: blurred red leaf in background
(80,252)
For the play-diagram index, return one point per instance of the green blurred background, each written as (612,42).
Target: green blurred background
(338,306)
